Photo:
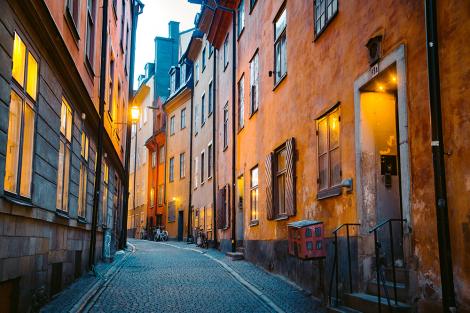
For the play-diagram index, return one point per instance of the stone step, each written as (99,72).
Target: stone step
(235,255)
(241,249)
(368,304)
(402,290)
(340,309)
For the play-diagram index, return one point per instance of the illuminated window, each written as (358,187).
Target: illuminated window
(280,46)
(152,197)
(160,195)
(254,194)
(83,183)
(65,143)
(161,157)
(104,205)
(154,159)
(329,159)
(21,123)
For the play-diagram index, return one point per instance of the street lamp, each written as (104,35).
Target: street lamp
(135,114)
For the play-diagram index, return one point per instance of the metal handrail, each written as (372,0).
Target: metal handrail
(378,263)
(335,269)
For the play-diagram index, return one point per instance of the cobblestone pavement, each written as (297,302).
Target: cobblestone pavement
(177,277)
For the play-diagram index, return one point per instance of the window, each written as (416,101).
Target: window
(152,197)
(241,102)
(226,126)
(325,11)
(183,74)
(329,158)
(182,166)
(280,181)
(21,121)
(211,50)
(203,59)
(73,11)
(171,211)
(252,4)
(209,161)
(82,194)
(196,115)
(154,159)
(202,167)
(210,100)
(172,125)
(161,152)
(203,108)
(196,71)
(226,52)
(254,194)
(254,84)
(172,169)
(63,173)
(173,82)
(280,46)
(160,195)
(104,205)
(196,172)
(123,18)
(111,102)
(183,118)
(241,17)
(90,31)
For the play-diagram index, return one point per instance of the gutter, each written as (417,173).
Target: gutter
(234,77)
(214,154)
(190,197)
(437,143)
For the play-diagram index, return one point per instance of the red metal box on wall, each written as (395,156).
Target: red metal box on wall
(306,239)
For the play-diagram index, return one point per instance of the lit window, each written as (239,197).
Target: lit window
(280,46)
(160,195)
(152,197)
(104,205)
(154,159)
(82,194)
(254,194)
(329,161)
(161,153)
(21,123)
(65,143)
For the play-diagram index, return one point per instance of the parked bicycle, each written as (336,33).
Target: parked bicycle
(160,235)
(201,239)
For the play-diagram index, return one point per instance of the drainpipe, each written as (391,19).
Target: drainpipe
(437,143)
(136,9)
(99,156)
(234,77)
(190,208)
(214,163)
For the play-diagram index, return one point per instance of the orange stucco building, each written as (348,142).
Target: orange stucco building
(336,127)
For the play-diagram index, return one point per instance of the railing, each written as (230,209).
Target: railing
(335,269)
(378,263)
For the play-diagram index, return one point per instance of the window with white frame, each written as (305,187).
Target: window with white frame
(196,172)
(196,72)
(203,59)
(182,166)
(202,166)
(161,190)
(254,206)
(172,125)
(280,45)
(172,170)
(209,160)
(226,125)
(254,84)
(241,17)
(210,100)
(325,11)
(241,102)
(203,109)
(183,118)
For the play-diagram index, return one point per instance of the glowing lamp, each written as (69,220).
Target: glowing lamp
(135,112)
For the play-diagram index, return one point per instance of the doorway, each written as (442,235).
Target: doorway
(180,225)
(240,212)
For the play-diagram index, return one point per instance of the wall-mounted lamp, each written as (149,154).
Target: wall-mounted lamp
(83,116)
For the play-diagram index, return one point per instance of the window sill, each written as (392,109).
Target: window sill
(254,223)
(62,214)
(329,193)
(81,220)
(18,200)
(317,35)
(89,68)
(209,178)
(280,81)
(281,218)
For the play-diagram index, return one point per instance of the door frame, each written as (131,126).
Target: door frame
(180,226)
(398,58)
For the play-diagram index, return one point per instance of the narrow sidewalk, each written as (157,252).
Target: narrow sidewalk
(76,296)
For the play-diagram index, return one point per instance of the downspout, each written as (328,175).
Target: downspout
(99,156)
(214,162)
(234,76)
(437,143)
(190,208)
(136,9)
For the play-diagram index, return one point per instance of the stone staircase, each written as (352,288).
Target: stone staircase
(367,302)
(238,255)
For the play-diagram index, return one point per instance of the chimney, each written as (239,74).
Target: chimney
(174,29)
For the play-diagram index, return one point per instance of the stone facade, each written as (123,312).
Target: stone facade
(43,249)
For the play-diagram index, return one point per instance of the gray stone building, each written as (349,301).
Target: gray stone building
(49,95)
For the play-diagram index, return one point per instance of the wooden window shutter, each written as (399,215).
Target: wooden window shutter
(290,177)
(269,187)
(220,208)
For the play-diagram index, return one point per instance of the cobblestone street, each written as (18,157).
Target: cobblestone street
(176,277)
